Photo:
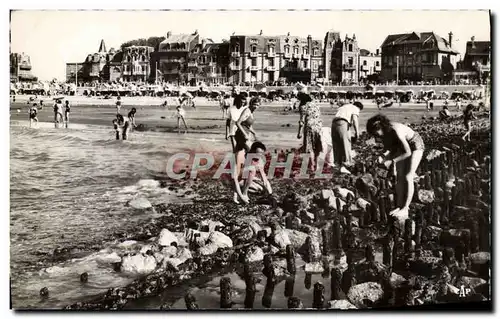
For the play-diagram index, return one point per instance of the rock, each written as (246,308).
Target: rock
(166,238)
(219,239)
(109,259)
(426,196)
(138,264)
(254,254)
(210,225)
(268,231)
(297,238)
(363,204)
(182,255)
(281,239)
(316,248)
(146,248)
(326,194)
(314,268)
(340,304)
(365,185)
(343,192)
(433,154)
(140,203)
(368,290)
(474,163)
(344,170)
(457,233)
(127,244)
(481,257)
(182,240)
(397,280)
(370,142)
(472,282)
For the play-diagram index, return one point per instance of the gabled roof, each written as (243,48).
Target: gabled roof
(421,37)
(480,48)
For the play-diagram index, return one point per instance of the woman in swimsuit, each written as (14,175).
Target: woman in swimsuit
(58,113)
(33,114)
(67,109)
(124,123)
(131,116)
(468,117)
(405,148)
(181,114)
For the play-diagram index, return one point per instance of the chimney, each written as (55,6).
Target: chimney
(377,52)
(169,34)
(354,36)
(203,43)
(260,32)
(450,38)
(473,43)
(288,34)
(195,32)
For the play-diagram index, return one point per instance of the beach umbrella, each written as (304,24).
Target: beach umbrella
(380,92)
(341,92)
(400,91)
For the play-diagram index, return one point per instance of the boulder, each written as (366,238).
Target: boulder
(397,280)
(147,247)
(340,304)
(210,225)
(140,203)
(472,282)
(166,238)
(343,192)
(255,253)
(180,257)
(369,290)
(370,142)
(363,204)
(365,185)
(182,239)
(426,196)
(433,154)
(281,239)
(297,238)
(314,268)
(480,258)
(138,264)
(109,258)
(221,240)
(127,244)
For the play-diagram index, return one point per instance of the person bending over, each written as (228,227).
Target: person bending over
(404,149)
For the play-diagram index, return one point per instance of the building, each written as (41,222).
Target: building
(208,63)
(136,63)
(20,67)
(478,58)
(266,59)
(423,56)
(369,65)
(172,57)
(94,68)
(341,58)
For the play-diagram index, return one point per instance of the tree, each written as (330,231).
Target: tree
(151,41)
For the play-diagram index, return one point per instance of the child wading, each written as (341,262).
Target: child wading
(67,109)
(468,117)
(58,113)
(33,114)
(405,148)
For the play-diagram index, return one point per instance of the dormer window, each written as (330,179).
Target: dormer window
(254,48)
(287,49)
(236,49)
(315,52)
(305,50)
(270,49)
(350,47)
(295,50)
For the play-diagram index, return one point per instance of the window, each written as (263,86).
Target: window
(304,64)
(128,58)
(315,52)
(237,62)
(364,62)
(287,49)
(351,61)
(143,58)
(305,50)
(485,60)
(271,62)
(350,47)
(254,62)
(377,63)
(315,66)
(236,49)
(295,50)
(143,68)
(271,49)
(254,48)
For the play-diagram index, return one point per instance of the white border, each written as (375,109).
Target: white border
(184,4)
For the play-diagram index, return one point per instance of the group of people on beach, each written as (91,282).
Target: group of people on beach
(61,113)
(123,124)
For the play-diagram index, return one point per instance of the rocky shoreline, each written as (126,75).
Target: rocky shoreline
(336,226)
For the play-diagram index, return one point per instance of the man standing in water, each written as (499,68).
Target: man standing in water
(33,114)
(118,104)
(58,113)
(67,109)
(233,115)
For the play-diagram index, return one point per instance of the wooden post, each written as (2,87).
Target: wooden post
(474,238)
(374,213)
(318,295)
(448,256)
(419,225)
(427,181)
(337,235)
(289,286)
(225,293)
(190,301)
(308,281)
(251,289)
(369,254)
(336,284)
(387,249)
(295,303)
(290,260)
(326,239)
(267,297)
(408,235)
(382,209)
(349,278)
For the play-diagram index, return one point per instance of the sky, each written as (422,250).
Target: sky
(54,38)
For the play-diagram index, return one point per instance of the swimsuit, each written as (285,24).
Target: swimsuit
(416,142)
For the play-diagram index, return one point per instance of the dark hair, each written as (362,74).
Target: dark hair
(378,122)
(120,118)
(469,108)
(133,110)
(358,104)
(254,101)
(257,145)
(34,104)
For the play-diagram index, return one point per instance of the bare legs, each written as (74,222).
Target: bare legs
(405,188)
(179,118)
(466,137)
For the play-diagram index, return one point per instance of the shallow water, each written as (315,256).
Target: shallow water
(70,187)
